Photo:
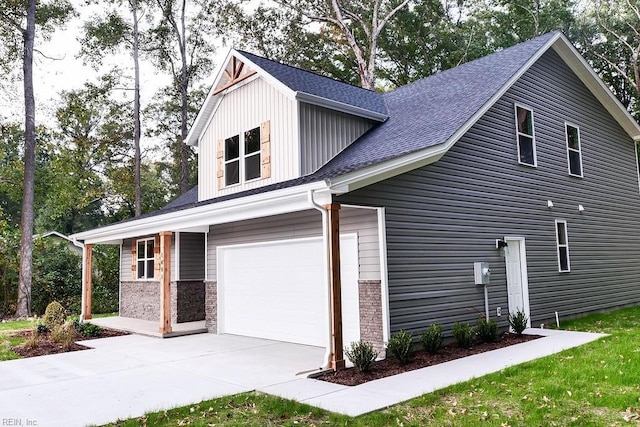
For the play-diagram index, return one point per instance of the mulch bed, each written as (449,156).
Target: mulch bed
(47,346)
(421,359)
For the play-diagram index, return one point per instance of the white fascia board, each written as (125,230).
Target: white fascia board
(390,168)
(340,106)
(596,86)
(201,217)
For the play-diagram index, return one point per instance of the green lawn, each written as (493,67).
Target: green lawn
(17,325)
(593,385)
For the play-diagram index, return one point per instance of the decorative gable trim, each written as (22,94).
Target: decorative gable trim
(234,73)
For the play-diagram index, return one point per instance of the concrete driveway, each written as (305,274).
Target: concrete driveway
(126,376)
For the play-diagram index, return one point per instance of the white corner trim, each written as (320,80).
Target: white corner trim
(384,279)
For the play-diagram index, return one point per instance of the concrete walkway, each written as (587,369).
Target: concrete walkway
(128,376)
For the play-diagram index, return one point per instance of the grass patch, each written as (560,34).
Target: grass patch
(17,325)
(595,384)
(5,347)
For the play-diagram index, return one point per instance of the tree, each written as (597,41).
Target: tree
(18,22)
(182,48)
(110,33)
(353,27)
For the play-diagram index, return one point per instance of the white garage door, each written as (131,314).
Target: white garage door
(276,290)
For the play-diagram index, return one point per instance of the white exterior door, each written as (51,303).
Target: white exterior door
(277,290)
(517,282)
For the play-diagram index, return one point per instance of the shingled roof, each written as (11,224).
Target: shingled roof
(430,111)
(306,82)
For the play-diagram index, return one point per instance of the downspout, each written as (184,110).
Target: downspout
(325,259)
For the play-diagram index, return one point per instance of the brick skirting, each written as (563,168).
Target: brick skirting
(140,299)
(211,305)
(371,313)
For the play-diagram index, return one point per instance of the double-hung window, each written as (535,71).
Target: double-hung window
(526,136)
(562,241)
(574,152)
(242,157)
(145,258)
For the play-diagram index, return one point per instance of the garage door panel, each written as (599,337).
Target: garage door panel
(276,290)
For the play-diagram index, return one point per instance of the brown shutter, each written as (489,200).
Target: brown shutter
(134,259)
(220,163)
(265,149)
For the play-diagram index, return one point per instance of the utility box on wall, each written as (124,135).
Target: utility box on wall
(482,273)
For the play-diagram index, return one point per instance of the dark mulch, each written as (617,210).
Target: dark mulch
(47,346)
(421,359)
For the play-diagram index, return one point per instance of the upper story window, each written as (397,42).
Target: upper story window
(574,152)
(526,136)
(562,240)
(145,258)
(242,157)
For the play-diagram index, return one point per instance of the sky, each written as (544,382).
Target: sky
(66,72)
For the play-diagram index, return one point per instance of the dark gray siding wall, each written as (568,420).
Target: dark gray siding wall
(192,256)
(443,217)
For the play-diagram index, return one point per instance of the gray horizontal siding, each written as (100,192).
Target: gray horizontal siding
(443,217)
(192,256)
(324,133)
(301,225)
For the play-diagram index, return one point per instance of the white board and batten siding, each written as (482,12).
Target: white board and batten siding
(363,222)
(325,133)
(242,109)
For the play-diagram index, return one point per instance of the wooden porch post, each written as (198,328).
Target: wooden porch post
(165,282)
(86,281)
(337,357)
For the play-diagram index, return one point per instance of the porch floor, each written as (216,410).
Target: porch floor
(148,327)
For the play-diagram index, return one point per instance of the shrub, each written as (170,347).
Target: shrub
(463,334)
(431,339)
(64,335)
(518,321)
(54,315)
(399,346)
(41,328)
(487,330)
(32,341)
(362,355)
(91,330)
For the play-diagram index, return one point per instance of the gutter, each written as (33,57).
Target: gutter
(325,259)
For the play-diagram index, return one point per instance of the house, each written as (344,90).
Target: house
(326,213)
(73,245)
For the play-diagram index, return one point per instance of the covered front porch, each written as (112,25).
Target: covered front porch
(149,327)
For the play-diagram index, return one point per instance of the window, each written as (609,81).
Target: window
(145,257)
(526,138)
(574,153)
(242,158)
(563,246)
(232,160)
(252,154)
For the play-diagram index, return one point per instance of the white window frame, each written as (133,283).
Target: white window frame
(532,136)
(569,150)
(565,245)
(147,258)
(242,157)
(245,156)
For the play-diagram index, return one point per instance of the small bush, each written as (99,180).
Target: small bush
(486,330)
(32,341)
(54,315)
(518,321)
(362,355)
(91,330)
(41,328)
(463,334)
(399,346)
(431,339)
(64,335)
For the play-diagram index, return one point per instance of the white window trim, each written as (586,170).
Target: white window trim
(566,136)
(242,157)
(138,259)
(566,245)
(533,135)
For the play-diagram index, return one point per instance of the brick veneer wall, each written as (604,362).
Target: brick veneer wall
(140,299)
(190,304)
(371,312)
(211,305)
